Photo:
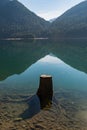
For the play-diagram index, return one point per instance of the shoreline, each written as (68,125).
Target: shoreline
(19,39)
(40,38)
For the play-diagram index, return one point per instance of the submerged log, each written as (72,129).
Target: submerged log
(45,90)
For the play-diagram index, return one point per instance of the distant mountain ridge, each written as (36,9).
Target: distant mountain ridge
(52,20)
(73,23)
(17,21)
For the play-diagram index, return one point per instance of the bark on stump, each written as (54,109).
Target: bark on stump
(45,90)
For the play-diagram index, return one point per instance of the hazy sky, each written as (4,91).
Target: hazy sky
(49,9)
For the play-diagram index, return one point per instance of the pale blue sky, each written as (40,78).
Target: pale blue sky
(49,9)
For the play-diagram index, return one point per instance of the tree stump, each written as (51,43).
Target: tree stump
(45,90)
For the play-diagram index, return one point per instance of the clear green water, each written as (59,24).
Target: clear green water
(22,63)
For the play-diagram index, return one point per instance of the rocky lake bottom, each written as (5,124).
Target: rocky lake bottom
(67,112)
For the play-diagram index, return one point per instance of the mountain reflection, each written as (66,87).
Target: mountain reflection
(64,76)
(17,56)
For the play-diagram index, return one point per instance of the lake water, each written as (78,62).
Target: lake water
(22,63)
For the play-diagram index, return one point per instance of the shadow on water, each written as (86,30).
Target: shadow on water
(34,107)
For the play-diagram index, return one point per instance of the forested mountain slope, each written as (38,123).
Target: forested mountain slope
(17,21)
(73,23)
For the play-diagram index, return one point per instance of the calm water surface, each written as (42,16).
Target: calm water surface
(22,63)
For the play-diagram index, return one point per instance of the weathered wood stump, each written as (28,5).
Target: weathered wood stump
(45,90)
